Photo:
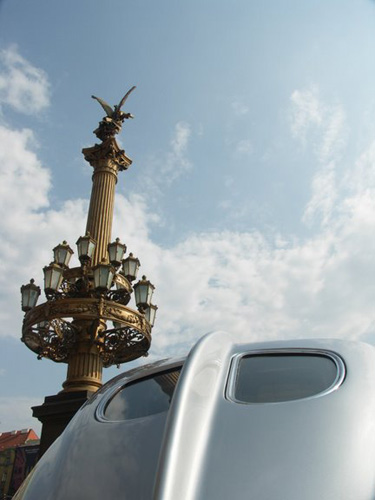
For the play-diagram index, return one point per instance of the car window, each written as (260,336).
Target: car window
(147,396)
(271,378)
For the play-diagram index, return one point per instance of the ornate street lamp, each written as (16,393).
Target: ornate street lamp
(150,314)
(116,252)
(143,293)
(85,321)
(62,254)
(53,276)
(130,267)
(86,247)
(29,296)
(103,276)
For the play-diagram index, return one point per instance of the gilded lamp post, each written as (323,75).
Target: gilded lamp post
(85,320)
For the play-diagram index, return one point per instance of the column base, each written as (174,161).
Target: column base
(55,414)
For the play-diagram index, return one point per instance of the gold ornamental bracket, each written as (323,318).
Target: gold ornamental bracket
(86,309)
(54,319)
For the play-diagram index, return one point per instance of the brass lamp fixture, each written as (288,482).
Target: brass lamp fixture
(73,325)
(116,251)
(143,293)
(150,314)
(86,247)
(29,296)
(130,267)
(62,254)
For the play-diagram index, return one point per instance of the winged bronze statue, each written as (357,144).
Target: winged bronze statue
(115,113)
(111,124)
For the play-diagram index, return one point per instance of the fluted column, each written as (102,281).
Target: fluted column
(107,159)
(84,363)
(85,366)
(100,216)
(84,369)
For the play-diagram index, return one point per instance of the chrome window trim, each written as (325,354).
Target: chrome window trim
(234,370)
(123,382)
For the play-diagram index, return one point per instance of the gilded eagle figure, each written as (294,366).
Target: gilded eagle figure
(112,122)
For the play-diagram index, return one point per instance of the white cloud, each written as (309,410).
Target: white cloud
(322,127)
(21,170)
(29,227)
(306,111)
(323,197)
(22,85)
(162,169)
(176,162)
(334,134)
(242,283)
(323,124)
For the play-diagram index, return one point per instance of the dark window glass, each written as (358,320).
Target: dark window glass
(272,378)
(143,397)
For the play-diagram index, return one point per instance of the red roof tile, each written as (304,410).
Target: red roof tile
(16,438)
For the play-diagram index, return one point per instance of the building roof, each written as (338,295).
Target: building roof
(11,439)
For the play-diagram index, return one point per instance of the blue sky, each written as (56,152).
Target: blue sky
(250,201)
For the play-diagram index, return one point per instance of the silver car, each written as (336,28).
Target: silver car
(287,420)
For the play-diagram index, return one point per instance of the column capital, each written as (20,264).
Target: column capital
(107,155)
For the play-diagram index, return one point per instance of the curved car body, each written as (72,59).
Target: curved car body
(276,420)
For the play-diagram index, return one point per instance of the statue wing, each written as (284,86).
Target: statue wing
(107,108)
(124,98)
